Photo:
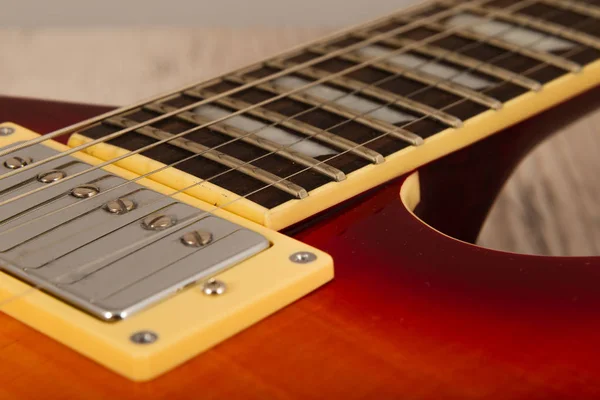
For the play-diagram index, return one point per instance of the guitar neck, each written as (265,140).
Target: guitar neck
(305,130)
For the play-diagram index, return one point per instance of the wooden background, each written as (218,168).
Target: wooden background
(550,206)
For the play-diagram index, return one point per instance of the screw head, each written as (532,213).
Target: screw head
(214,287)
(158,222)
(17,162)
(303,257)
(6,130)
(119,206)
(196,238)
(85,191)
(51,176)
(144,337)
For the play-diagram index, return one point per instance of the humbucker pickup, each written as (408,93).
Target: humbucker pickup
(103,259)
(108,245)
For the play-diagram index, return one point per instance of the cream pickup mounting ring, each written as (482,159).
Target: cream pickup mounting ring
(105,261)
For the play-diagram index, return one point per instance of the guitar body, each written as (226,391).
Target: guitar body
(411,313)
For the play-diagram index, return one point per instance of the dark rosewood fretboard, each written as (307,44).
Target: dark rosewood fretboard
(382,87)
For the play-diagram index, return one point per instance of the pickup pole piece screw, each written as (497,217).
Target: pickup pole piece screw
(51,176)
(196,238)
(85,191)
(17,162)
(158,222)
(119,206)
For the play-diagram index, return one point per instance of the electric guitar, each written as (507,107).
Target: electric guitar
(304,227)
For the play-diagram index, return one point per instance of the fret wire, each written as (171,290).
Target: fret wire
(206,213)
(580,8)
(298,126)
(254,140)
(543,26)
(214,155)
(119,133)
(186,108)
(375,92)
(114,160)
(420,76)
(273,76)
(332,107)
(464,61)
(97,166)
(202,215)
(574,51)
(91,121)
(546,58)
(87,123)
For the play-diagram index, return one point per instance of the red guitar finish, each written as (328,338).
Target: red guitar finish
(411,313)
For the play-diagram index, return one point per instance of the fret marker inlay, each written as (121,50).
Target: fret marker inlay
(510,33)
(284,138)
(358,104)
(423,64)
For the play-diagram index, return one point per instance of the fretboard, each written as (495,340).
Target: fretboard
(304,130)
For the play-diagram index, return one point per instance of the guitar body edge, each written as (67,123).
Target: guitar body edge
(413,312)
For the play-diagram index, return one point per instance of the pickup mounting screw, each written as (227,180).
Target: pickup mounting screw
(196,238)
(303,257)
(144,337)
(158,222)
(214,287)
(6,130)
(51,176)
(85,191)
(17,162)
(119,206)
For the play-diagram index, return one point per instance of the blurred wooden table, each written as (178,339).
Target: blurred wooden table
(550,205)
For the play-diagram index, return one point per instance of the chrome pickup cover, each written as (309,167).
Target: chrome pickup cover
(110,264)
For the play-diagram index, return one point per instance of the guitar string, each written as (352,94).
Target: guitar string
(91,121)
(463,48)
(452,11)
(574,51)
(194,220)
(228,93)
(225,171)
(151,172)
(201,126)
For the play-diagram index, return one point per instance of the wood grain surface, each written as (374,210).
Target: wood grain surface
(550,205)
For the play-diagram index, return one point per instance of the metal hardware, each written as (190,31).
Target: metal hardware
(144,337)
(375,92)
(196,238)
(578,7)
(543,57)
(214,287)
(254,140)
(296,125)
(119,206)
(51,176)
(85,191)
(460,59)
(216,156)
(303,257)
(17,162)
(6,130)
(543,25)
(111,267)
(158,222)
(342,111)
(417,75)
